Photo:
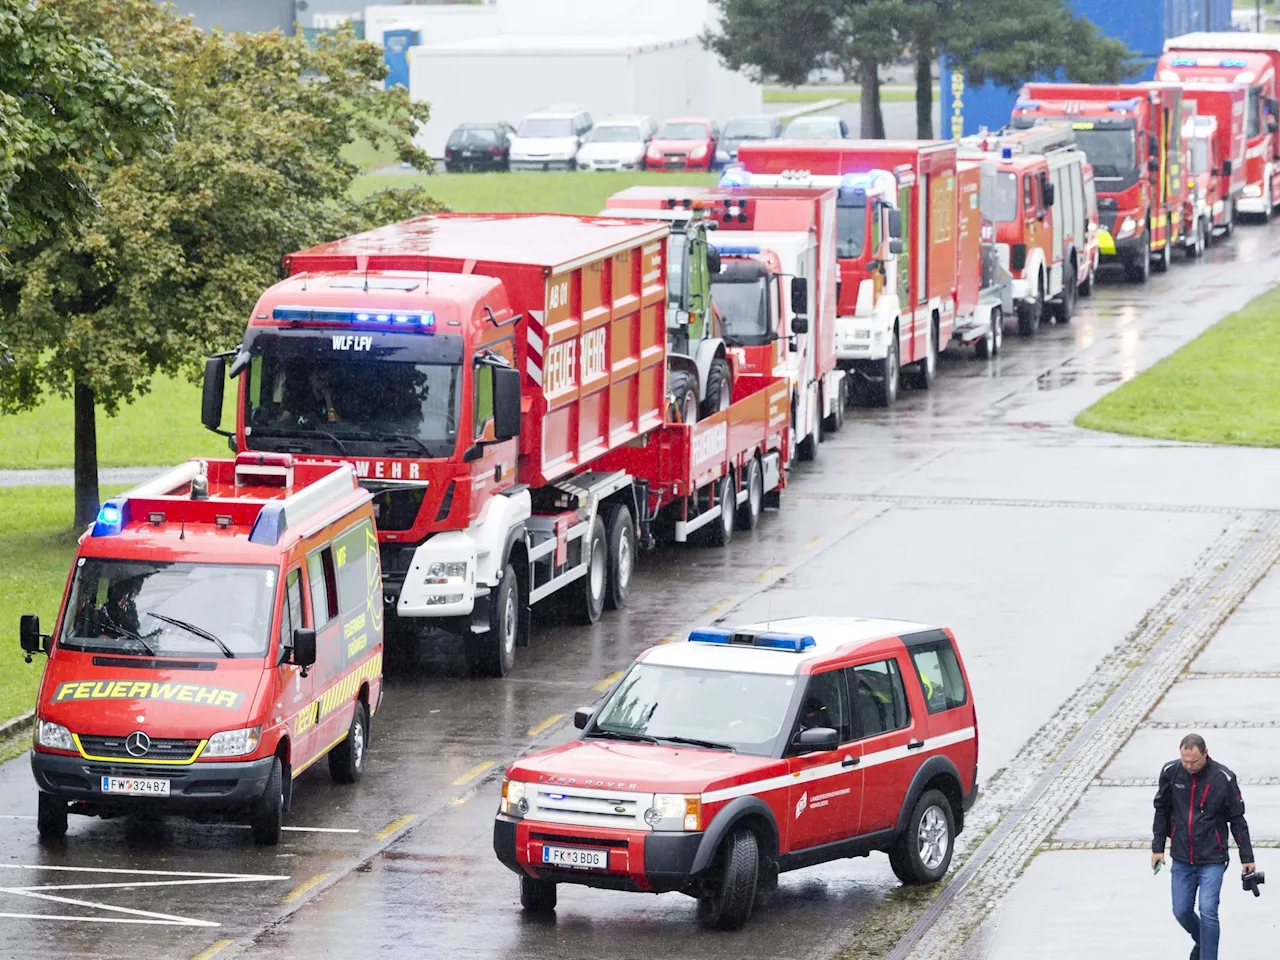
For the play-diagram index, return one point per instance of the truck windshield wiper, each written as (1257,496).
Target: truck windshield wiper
(197,631)
(407,439)
(136,638)
(342,447)
(708,744)
(619,735)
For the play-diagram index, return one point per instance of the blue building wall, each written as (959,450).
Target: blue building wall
(1143,25)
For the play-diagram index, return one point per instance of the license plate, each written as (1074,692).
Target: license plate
(135,786)
(576,857)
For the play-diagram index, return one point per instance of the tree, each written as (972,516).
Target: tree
(170,264)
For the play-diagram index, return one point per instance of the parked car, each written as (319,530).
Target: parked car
(479,146)
(618,143)
(741,129)
(816,128)
(688,143)
(549,139)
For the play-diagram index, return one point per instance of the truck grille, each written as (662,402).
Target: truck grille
(396,508)
(158,749)
(596,808)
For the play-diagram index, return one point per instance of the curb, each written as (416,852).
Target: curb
(806,108)
(18,725)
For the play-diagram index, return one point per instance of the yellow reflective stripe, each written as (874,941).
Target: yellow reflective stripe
(147,760)
(345,690)
(1106,244)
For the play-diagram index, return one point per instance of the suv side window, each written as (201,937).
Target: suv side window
(941,681)
(880,699)
(825,704)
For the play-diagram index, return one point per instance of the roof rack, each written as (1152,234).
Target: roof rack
(1011,142)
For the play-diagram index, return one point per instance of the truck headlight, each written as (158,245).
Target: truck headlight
(675,811)
(1252,190)
(447,573)
(513,803)
(1127,229)
(54,736)
(233,743)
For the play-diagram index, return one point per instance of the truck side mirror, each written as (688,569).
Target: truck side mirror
(1226,168)
(817,738)
(1153,165)
(713,261)
(29,636)
(581,717)
(1049,193)
(215,378)
(799,296)
(896,247)
(506,403)
(895,223)
(799,325)
(304,649)
(1272,125)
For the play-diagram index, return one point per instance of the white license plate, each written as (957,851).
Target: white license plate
(135,786)
(576,857)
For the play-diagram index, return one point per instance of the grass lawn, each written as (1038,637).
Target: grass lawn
(368,157)
(1219,388)
(527,192)
(846,93)
(162,427)
(37,543)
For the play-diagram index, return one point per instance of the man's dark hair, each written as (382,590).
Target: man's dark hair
(1193,740)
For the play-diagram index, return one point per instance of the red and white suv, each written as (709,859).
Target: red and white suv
(716,763)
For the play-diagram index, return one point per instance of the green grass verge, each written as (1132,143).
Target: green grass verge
(1219,388)
(848,94)
(159,428)
(37,543)
(368,157)
(526,192)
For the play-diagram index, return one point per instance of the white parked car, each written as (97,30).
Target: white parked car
(617,143)
(549,139)
(816,128)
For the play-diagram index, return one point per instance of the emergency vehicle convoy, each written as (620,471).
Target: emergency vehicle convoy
(715,764)
(500,384)
(220,633)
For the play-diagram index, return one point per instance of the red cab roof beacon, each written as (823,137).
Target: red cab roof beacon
(716,763)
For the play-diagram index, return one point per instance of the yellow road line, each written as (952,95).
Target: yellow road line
(670,638)
(471,774)
(814,542)
(459,801)
(395,825)
(608,681)
(303,887)
(853,513)
(768,574)
(211,951)
(545,724)
(717,608)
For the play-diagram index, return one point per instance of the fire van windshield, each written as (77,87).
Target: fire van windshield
(743,712)
(742,297)
(154,608)
(851,229)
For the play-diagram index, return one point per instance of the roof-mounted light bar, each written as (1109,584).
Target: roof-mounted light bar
(424,320)
(789,642)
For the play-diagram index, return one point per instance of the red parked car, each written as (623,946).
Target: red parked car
(715,764)
(685,144)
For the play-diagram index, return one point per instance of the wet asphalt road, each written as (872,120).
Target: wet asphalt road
(977,505)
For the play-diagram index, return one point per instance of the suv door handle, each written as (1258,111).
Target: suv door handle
(915,744)
(850,761)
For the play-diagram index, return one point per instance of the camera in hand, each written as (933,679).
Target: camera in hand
(1251,881)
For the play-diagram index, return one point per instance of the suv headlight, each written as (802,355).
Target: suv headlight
(675,811)
(447,572)
(54,736)
(513,802)
(233,743)
(1127,229)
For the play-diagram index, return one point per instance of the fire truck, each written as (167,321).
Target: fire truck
(896,245)
(1252,61)
(1132,135)
(499,383)
(798,227)
(983,297)
(1042,219)
(1215,142)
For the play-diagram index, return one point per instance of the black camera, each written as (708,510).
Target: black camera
(1252,881)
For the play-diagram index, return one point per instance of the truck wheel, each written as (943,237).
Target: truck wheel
(1066,307)
(886,391)
(923,853)
(684,397)
(987,347)
(1160,262)
(836,419)
(719,390)
(1085,289)
(807,449)
(51,817)
(1267,206)
(537,896)
(1029,314)
(720,532)
(749,512)
(728,904)
(596,547)
(622,554)
(268,810)
(493,654)
(926,371)
(1138,268)
(346,760)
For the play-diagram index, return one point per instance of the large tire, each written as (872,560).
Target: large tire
(720,530)
(749,512)
(719,390)
(728,903)
(1160,262)
(1138,268)
(267,816)
(683,387)
(1030,314)
(923,853)
(886,391)
(926,370)
(1267,208)
(989,346)
(622,556)
(836,420)
(346,760)
(1085,288)
(51,817)
(537,896)
(493,653)
(594,584)
(1065,308)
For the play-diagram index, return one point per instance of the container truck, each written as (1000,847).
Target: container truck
(494,379)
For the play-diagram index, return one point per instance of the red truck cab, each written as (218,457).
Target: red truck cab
(716,763)
(220,633)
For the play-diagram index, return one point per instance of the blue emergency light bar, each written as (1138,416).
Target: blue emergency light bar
(414,319)
(1123,105)
(1185,62)
(1026,104)
(733,251)
(1006,153)
(792,642)
(111,518)
(735,175)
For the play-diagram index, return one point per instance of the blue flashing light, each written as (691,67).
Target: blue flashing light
(270,525)
(419,319)
(111,518)
(711,635)
(1123,105)
(1235,62)
(1006,153)
(731,250)
(793,642)
(735,175)
(555,796)
(1184,62)
(1026,104)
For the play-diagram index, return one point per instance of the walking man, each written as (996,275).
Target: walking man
(1197,799)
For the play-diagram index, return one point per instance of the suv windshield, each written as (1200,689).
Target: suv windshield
(758,128)
(353,395)
(150,607)
(546,127)
(609,133)
(742,711)
(851,229)
(682,131)
(742,297)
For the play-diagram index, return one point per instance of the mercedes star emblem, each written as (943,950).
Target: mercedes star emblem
(137,743)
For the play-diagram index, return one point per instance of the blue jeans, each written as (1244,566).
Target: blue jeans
(1204,928)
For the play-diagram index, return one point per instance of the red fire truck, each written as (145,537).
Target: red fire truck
(1214,135)
(798,226)
(1132,135)
(499,383)
(896,243)
(1251,60)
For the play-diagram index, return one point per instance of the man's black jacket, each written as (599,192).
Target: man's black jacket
(1194,810)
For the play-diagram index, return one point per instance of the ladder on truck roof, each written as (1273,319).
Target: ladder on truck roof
(1021,143)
